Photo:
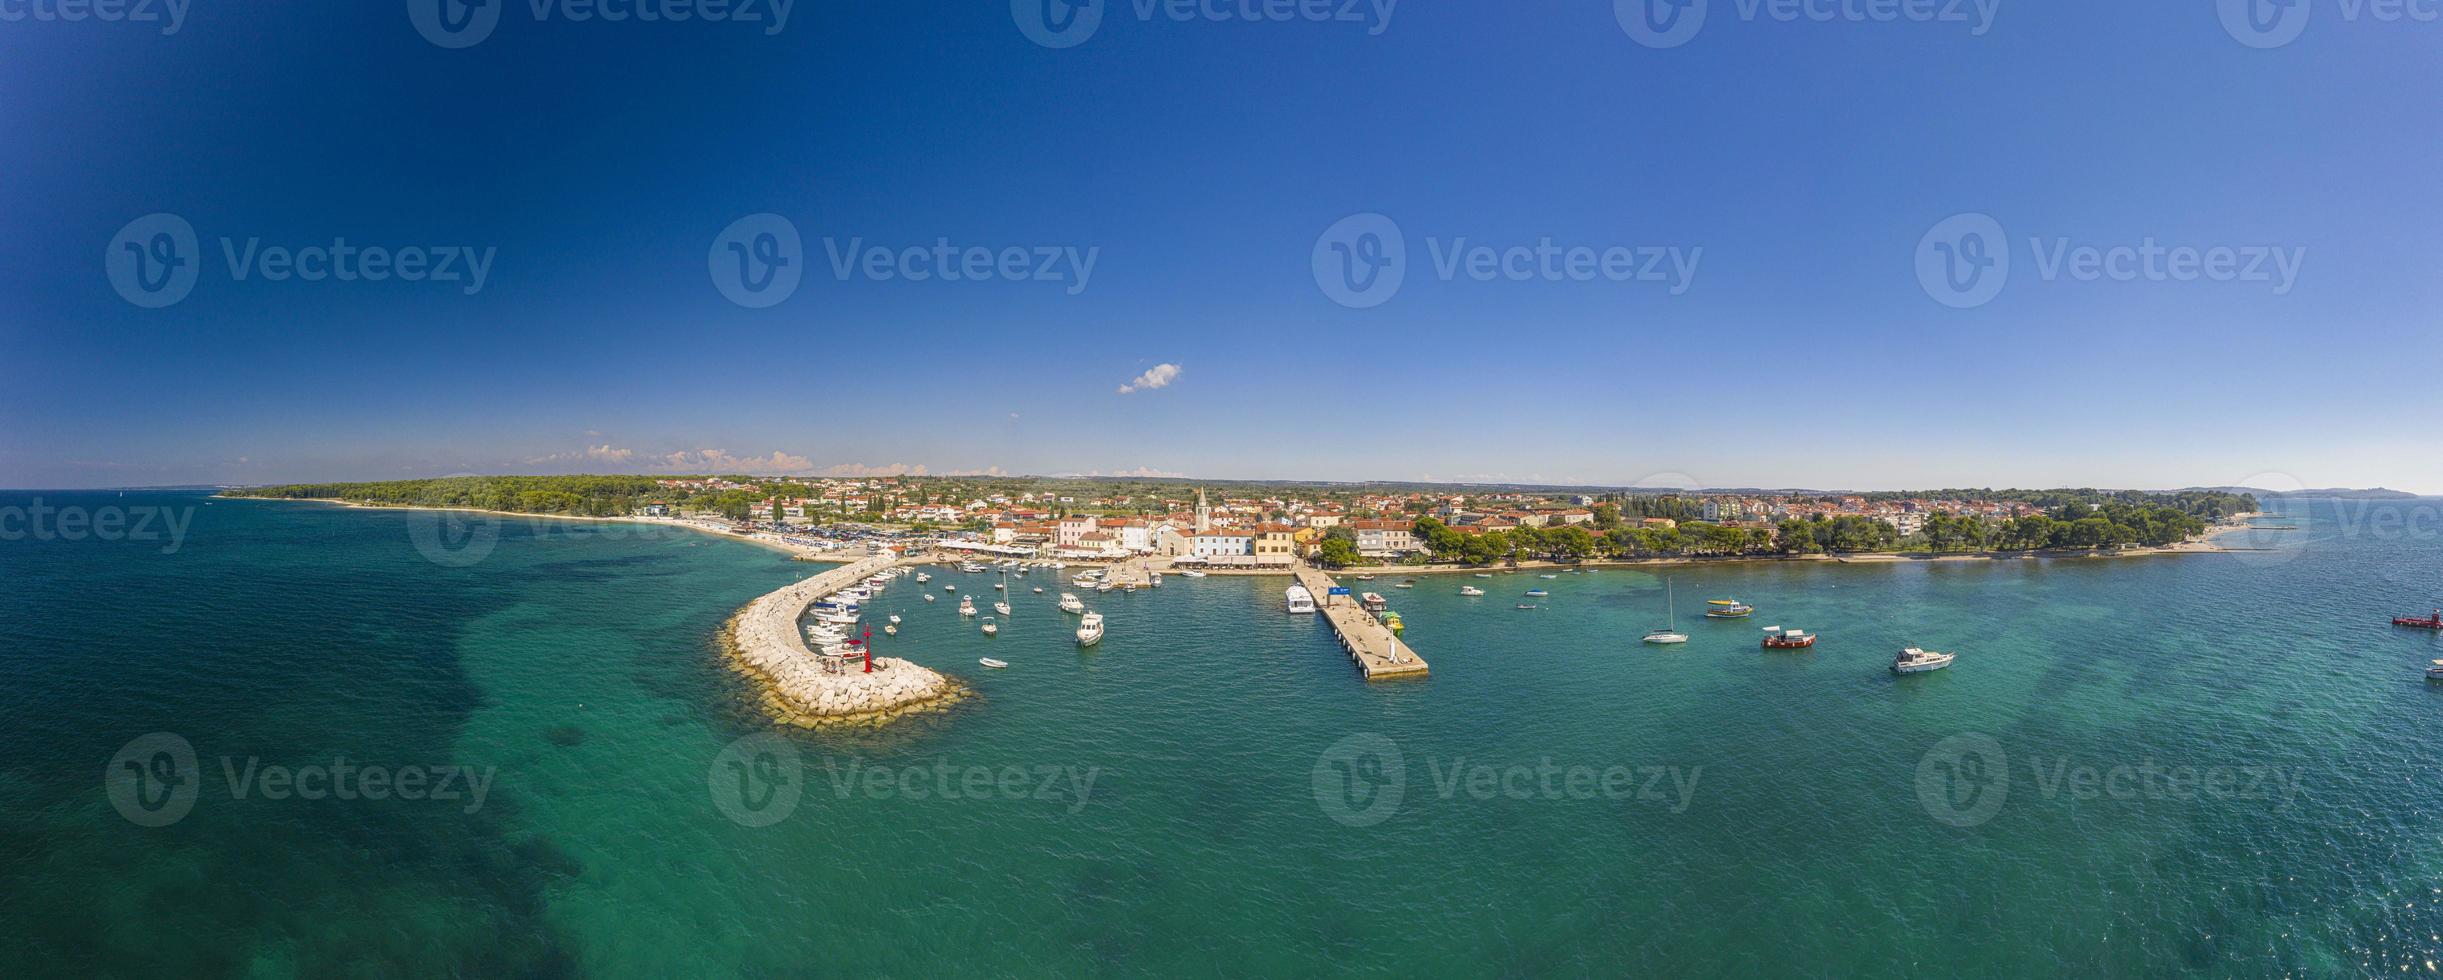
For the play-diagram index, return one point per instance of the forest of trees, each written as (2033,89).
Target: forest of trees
(589,496)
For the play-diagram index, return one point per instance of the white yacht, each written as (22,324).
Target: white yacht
(967,606)
(1090,630)
(1916,661)
(1470,590)
(1299,600)
(1001,607)
(1071,604)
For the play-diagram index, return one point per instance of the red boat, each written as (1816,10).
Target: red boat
(2429,622)
(1789,640)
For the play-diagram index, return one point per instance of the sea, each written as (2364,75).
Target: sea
(283,739)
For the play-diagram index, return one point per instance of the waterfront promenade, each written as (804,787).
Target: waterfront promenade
(1371,645)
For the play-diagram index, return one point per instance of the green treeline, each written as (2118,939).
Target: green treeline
(588,496)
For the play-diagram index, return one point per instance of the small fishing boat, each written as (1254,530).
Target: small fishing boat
(1470,590)
(1538,593)
(950,588)
(1000,586)
(1071,604)
(1039,590)
(1104,586)
(1776,638)
(1090,630)
(1728,609)
(1916,661)
(1392,619)
(990,662)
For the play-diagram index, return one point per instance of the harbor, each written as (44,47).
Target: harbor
(1371,645)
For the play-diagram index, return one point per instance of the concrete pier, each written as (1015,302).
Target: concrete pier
(1370,644)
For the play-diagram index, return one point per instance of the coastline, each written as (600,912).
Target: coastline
(759,539)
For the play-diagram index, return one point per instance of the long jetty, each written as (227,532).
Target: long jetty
(1371,645)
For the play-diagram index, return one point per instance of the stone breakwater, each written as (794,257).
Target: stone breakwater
(766,643)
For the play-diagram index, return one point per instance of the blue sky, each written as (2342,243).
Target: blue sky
(1796,170)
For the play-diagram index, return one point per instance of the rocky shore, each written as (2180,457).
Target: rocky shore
(764,643)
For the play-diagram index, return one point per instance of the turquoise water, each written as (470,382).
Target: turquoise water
(1191,800)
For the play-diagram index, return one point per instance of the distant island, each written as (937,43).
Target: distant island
(1340,525)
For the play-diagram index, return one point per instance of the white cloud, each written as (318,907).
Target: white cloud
(605,453)
(1158,376)
(720,461)
(853,470)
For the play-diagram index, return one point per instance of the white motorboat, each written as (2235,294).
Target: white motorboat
(1071,604)
(1039,590)
(892,629)
(1916,661)
(1470,590)
(967,606)
(928,597)
(894,619)
(1192,573)
(1090,630)
(1669,634)
(1104,586)
(1298,600)
(950,588)
(923,577)
(991,628)
(990,662)
(2434,671)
